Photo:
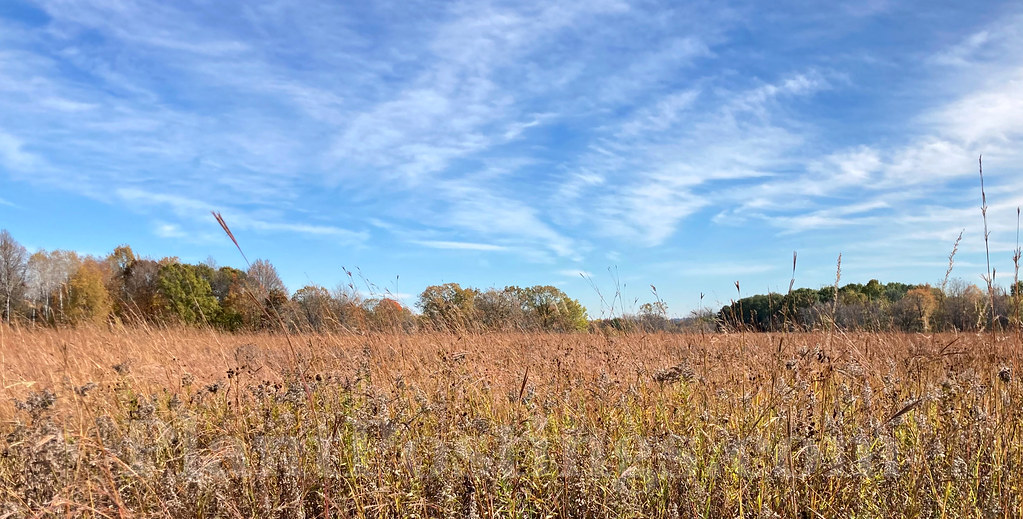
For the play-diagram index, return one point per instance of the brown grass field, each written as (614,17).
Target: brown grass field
(192,423)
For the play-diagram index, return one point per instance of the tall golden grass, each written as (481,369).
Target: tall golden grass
(193,423)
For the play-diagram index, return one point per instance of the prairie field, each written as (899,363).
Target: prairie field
(120,422)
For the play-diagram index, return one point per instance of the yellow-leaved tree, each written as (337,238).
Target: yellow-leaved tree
(88,298)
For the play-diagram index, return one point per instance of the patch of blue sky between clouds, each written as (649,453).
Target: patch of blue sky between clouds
(495,143)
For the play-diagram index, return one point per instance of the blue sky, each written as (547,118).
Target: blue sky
(682,145)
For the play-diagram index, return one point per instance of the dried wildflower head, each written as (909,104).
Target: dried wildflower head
(37,402)
(84,390)
(141,409)
(1005,374)
(678,372)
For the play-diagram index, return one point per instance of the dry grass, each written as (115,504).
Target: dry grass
(187,423)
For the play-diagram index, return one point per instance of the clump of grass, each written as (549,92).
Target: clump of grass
(444,425)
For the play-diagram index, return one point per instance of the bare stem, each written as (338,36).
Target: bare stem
(990,277)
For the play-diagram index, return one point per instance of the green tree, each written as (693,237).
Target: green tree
(826,294)
(797,305)
(894,291)
(186,295)
(758,312)
(874,290)
(852,294)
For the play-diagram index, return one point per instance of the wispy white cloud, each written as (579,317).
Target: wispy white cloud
(553,132)
(13,154)
(459,105)
(460,245)
(963,53)
(756,101)
(194,210)
(668,160)
(345,235)
(660,117)
(988,117)
(895,179)
(181,205)
(996,43)
(170,230)
(471,207)
(651,71)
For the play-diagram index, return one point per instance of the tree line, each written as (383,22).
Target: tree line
(64,288)
(875,306)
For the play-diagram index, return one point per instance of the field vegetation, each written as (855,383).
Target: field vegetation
(185,422)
